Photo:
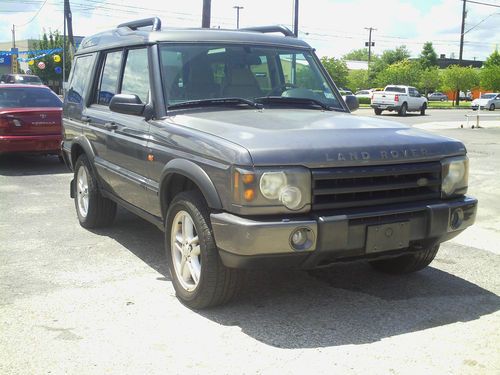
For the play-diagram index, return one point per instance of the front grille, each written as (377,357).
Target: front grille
(348,187)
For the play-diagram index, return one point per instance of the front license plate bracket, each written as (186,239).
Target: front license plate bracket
(393,236)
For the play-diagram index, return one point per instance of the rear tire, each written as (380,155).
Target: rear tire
(422,109)
(377,111)
(407,263)
(402,110)
(199,278)
(93,210)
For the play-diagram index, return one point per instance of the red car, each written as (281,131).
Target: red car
(30,119)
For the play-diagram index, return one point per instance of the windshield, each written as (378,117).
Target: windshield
(200,72)
(28,97)
(488,96)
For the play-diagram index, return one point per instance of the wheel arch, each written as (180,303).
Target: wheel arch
(180,175)
(81,146)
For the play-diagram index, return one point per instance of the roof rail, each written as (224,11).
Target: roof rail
(270,29)
(155,22)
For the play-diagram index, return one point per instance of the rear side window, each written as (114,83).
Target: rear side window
(79,80)
(136,74)
(108,84)
(28,97)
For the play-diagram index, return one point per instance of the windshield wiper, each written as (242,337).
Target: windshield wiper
(299,101)
(215,101)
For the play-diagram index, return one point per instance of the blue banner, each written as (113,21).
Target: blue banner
(5,60)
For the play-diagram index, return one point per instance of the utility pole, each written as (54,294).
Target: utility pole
(296,19)
(460,55)
(237,7)
(64,49)
(13,36)
(370,44)
(205,15)
(69,22)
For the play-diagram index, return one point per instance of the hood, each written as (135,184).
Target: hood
(316,138)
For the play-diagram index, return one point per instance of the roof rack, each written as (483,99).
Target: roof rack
(155,22)
(270,29)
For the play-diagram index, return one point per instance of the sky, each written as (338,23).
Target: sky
(333,27)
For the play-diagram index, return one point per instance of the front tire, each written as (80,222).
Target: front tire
(492,107)
(199,278)
(402,110)
(422,109)
(92,208)
(407,263)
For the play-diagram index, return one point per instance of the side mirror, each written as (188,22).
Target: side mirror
(352,102)
(127,104)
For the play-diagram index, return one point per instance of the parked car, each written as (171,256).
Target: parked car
(465,96)
(489,101)
(398,98)
(26,79)
(243,166)
(364,94)
(30,119)
(437,97)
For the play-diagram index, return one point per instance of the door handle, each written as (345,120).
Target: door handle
(111,126)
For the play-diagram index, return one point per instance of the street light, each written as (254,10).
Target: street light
(237,7)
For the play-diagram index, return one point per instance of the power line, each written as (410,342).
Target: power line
(486,4)
(36,14)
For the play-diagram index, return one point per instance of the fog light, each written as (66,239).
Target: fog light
(301,238)
(457,218)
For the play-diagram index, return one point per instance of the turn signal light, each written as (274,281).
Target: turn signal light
(249,195)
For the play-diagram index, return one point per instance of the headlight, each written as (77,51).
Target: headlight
(271,183)
(264,187)
(455,173)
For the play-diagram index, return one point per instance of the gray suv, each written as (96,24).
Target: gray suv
(238,145)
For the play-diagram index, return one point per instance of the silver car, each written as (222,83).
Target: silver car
(437,97)
(489,101)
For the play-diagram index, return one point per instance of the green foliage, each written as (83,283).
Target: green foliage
(428,57)
(490,78)
(400,73)
(49,41)
(337,69)
(457,78)
(430,80)
(358,80)
(387,58)
(357,55)
(493,59)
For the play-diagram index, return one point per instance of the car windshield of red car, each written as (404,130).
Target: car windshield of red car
(20,97)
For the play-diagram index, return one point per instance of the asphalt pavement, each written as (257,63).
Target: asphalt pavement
(74,301)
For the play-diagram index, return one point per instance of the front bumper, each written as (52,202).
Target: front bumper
(249,243)
(30,143)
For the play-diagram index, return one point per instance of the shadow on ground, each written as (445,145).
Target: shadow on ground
(346,304)
(30,165)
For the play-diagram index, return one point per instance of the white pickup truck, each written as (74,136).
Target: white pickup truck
(398,98)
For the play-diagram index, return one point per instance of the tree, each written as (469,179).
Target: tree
(401,73)
(430,80)
(357,55)
(493,59)
(387,58)
(490,78)
(49,41)
(428,57)
(458,78)
(337,69)
(358,80)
